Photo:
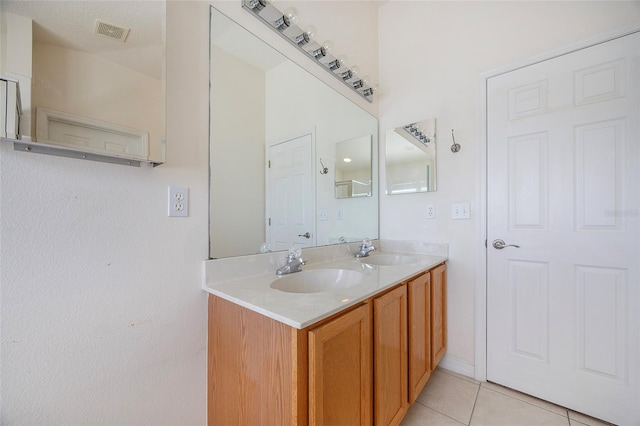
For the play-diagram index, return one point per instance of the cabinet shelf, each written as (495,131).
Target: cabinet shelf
(26,145)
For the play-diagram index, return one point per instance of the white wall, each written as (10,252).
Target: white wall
(102,313)
(431,56)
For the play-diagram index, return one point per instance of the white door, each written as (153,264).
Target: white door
(291,194)
(563,185)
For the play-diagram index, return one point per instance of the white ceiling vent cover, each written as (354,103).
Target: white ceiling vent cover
(112,31)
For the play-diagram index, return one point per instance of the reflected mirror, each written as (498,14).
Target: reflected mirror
(353,168)
(89,70)
(410,158)
(272,123)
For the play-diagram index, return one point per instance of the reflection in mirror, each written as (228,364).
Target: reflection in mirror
(410,162)
(353,168)
(267,110)
(80,83)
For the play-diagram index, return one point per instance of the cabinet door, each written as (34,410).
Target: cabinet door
(438,314)
(340,370)
(390,357)
(419,334)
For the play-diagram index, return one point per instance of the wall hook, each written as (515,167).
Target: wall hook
(324,170)
(456,146)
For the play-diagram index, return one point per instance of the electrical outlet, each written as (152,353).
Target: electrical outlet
(178,201)
(431,211)
(323,214)
(460,211)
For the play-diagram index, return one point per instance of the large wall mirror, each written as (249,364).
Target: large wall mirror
(275,133)
(410,158)
(92,62)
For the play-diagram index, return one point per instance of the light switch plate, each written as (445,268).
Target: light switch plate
(460,211)
(178,201)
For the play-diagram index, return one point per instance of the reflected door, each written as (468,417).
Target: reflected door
(291,194)
(563,185)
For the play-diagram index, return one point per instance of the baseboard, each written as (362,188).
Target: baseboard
(452,364)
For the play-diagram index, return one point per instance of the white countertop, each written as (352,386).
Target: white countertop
(301,310)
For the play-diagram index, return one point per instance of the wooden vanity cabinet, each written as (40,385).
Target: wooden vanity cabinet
(390,356)
(362,366)
(340,375)
(438,314)
(257,368)
(262,371)
(428,326)
(419,334)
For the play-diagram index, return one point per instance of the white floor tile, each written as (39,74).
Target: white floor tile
(450,395)
(527,398)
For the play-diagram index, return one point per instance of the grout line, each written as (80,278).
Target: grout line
(474,403)
(439,412)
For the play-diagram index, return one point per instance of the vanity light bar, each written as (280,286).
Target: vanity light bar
(286,27)
(417,133)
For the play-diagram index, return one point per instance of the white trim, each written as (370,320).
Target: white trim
(452,364)
(481,187)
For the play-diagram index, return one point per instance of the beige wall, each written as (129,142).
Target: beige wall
(431,57)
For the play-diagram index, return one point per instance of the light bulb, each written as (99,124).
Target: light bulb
(355,70)
(310,31)
(327,46)
(291,16)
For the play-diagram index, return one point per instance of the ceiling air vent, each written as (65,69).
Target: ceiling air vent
(112,31)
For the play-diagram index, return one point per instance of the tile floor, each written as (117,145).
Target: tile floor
(452,399)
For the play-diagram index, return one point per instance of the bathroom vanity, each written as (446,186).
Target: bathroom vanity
(358,352)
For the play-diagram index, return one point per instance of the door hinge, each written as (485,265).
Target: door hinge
(269,221)
(269,164)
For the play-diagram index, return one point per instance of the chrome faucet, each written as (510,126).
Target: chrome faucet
(365,248)
(294,262)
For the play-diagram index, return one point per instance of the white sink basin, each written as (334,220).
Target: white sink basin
(389,259)
(317,280)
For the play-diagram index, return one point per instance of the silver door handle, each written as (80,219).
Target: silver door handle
(306,235)
(500,244)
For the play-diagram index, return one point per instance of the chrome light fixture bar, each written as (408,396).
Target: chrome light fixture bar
(424,131)
(284,23)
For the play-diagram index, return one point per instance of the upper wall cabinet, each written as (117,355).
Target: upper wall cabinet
(90,78)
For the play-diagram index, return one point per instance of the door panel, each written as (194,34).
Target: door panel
(291,194)
(563,185)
